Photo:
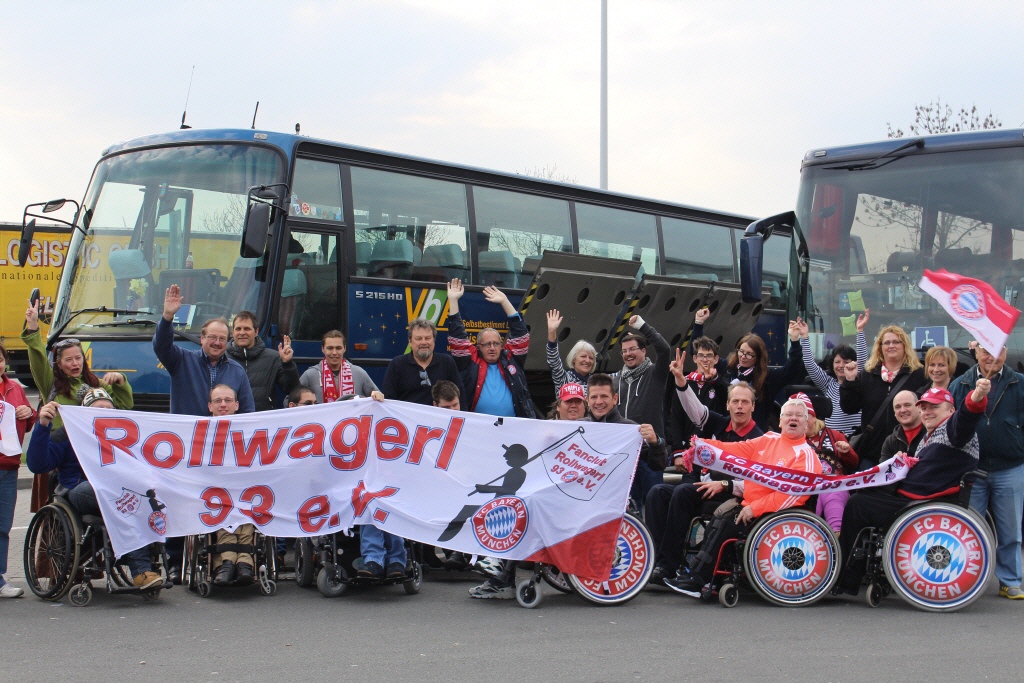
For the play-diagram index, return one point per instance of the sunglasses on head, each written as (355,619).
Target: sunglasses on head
(65,343)
(424,379)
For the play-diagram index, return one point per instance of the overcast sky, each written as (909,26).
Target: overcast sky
(710,104)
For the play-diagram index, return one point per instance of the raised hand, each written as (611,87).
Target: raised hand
(496,296)
(32,316)
(554,322)
(284,349)
(702,315)
(172,302)
(676,368)
(862,319)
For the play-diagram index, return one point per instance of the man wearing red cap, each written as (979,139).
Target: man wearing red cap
(948,451)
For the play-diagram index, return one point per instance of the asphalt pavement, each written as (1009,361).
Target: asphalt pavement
(441,634)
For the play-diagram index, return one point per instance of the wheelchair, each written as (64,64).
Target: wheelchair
(937,555)
(65,552)
(339,559)
(791,558)
(198,570)
(634,562)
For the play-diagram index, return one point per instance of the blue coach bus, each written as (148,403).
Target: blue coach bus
(871,218)
(312,235)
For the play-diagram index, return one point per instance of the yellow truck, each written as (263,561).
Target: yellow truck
(43,270)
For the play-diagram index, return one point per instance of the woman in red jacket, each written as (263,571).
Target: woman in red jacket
(13,396)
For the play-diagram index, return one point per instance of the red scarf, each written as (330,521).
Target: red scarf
(328,386)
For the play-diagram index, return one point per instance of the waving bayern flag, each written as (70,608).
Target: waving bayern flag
(974,305)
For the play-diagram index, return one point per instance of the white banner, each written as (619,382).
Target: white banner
(10,444)
(797,482)
(551,491)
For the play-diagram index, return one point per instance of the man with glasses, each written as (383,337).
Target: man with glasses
(492,369)
(708,386)
(194,372)
(301,396)
(411,376)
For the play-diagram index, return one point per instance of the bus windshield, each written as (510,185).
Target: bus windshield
(872,232)
(156,217)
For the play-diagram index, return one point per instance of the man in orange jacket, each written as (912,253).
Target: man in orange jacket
(788,449)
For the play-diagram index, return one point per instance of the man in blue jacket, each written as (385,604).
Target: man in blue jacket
(194,372)
(1002,456)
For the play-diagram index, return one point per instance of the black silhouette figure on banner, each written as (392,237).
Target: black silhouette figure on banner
(516,456)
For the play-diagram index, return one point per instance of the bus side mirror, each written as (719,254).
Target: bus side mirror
(752,253)
(28,231)
(256,230)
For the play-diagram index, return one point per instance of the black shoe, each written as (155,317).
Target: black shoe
(244,574)
(396,570)
(225,573)
(843,590)
(174,575)
(687,585)
(456,561)
(659,575)
(372,570)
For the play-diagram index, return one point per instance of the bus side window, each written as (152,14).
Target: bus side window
(309,303)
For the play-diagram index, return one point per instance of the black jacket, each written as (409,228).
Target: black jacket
(865,395)
(653,454)
(643,399)
(265,369)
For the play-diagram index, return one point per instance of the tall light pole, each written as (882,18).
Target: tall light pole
(604,94)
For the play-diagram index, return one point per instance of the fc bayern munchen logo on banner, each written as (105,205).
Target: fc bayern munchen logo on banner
(501,524)
(968,302)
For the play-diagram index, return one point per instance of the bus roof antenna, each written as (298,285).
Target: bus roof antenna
(254,114)
(296,129)
(187,95)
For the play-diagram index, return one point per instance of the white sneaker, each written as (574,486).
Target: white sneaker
(490,566)
(9,591)
(492,590)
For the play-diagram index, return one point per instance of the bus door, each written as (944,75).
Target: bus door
(311,297)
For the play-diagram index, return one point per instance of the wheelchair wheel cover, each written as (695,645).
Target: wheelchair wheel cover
(634,562)
(554,577)
(305,565)
(792,558)
(938,556)
(51,544)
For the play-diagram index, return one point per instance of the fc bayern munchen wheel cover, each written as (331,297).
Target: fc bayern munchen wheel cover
(938,556)
(634,562)
(792,558)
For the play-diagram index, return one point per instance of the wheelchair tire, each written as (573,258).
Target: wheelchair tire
(188,564)
(938,556)
(413,584)
(555,577)
(728,595)
(634,562)
(873,595)
(528,594)
(203,588)
(330,581)
(305,565)
(51,552)
(80,595)
(792,558)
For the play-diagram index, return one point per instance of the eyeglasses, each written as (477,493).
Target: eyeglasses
(705,356)
(490,344)
(892,342)
(307,403)
(65,343)
(219,401)
(215,340)
(746,354)
(424,379)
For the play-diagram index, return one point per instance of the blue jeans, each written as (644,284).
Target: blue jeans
(377,546)
(8,497)
(1002,494)
(83,499)
(644,480)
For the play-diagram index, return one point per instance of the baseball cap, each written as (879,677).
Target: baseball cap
(801,396)
(571,391)
(935,396)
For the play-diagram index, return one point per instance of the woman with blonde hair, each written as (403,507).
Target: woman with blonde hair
(891,367)
(939,366)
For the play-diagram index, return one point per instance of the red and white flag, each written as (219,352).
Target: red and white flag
(974,305)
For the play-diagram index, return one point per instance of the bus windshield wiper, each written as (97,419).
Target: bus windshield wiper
(75,314)
(879,161)
(118,323)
